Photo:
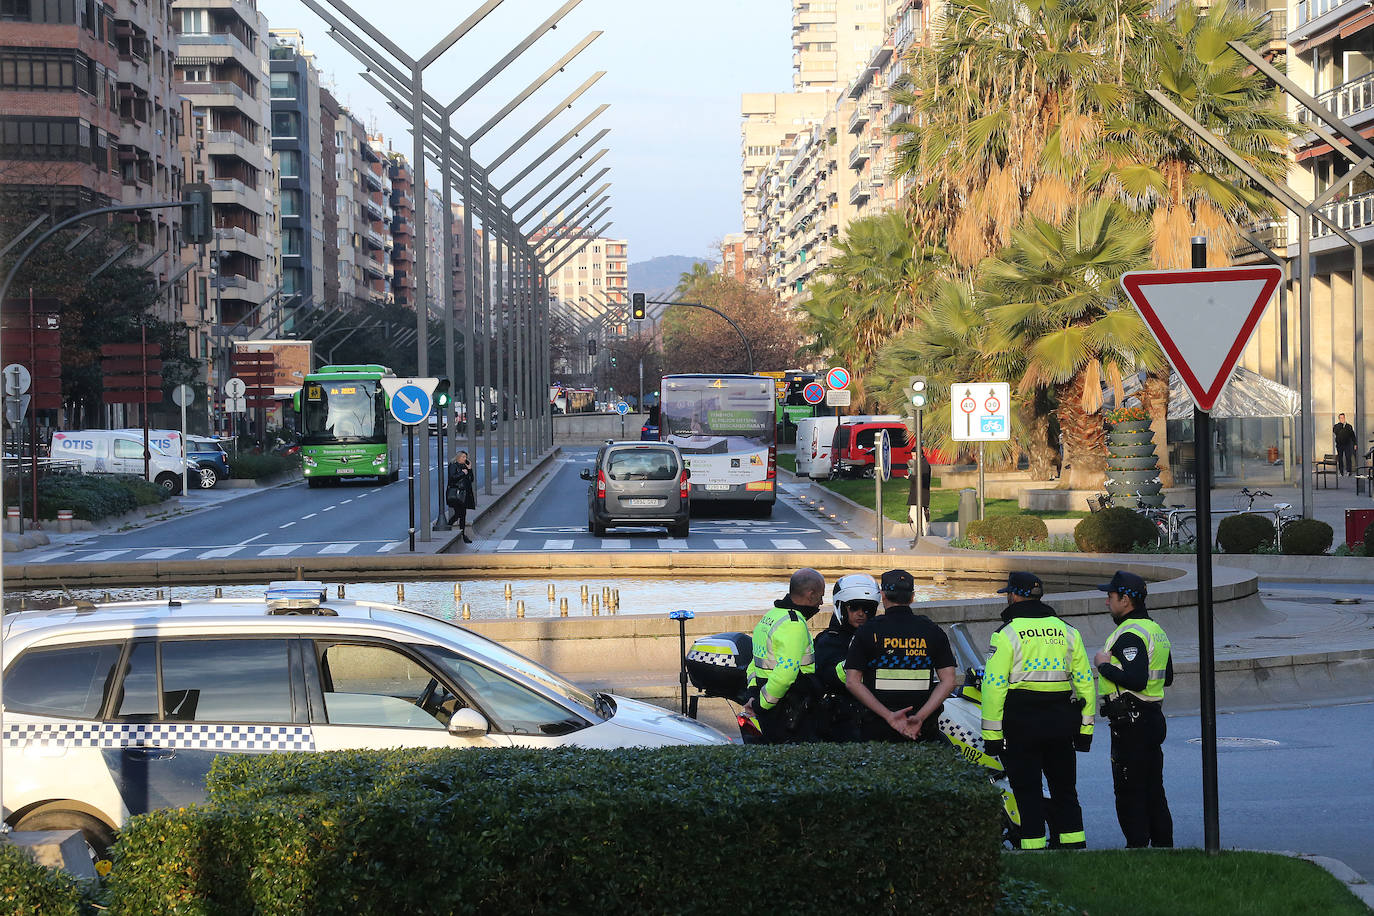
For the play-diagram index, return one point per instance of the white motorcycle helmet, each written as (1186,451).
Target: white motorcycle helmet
(854,587)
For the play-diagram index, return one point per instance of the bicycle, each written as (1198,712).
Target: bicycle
(1280,521)
(1244,501)
(1176,525)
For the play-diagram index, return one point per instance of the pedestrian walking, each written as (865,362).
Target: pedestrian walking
(856,600)
(1039,699)
(459,493)
(919,515)
(783,693)
(900,667)
(1346,445)
(1135,667)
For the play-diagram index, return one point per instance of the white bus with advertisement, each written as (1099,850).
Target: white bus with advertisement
(724,425)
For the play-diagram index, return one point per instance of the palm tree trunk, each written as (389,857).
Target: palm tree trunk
(1042,455)
(1084,439)
(1154,397)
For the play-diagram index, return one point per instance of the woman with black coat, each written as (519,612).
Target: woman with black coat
(459,495)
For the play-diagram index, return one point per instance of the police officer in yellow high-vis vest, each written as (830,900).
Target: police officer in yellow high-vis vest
(1039,699)
(783,693)
(1135,667)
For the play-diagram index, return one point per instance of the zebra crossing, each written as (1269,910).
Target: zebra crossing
(237,551)
(556,545)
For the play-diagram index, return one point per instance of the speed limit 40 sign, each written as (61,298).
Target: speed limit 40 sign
(980,412)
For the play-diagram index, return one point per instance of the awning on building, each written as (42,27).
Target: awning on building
(1248,395)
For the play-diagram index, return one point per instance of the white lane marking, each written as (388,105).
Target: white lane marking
(45,557)
(387,548)
(252,539)
(558,544)
(787,544)
(218,552)
(838,544)
(104,555)
(507,545)
(730,544)
(329,508)
(345,502)
(672,543)
(617,544)
(287,525)
(163,554)
(311,515)
(279,550)
(337,548)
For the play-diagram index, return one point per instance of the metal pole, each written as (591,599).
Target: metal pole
(878,495)
(503,308)
(469,303)
(446,430)
(410,480)
(982,485)
(1202,440)
(916,469)
(421,276)
(485,417)
(1307,440)
(1359,346)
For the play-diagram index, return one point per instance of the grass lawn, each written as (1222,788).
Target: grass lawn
(1150,882)
(944,504)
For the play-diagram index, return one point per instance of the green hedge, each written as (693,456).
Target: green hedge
(766,830)
(1114,530)
(1245,533)
(248,466)
(1001,532)
(1307,537)
(30,889)
(94,496)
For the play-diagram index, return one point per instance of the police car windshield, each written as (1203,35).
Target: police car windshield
(494,653)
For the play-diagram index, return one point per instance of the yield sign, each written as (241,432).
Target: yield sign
(1203,318)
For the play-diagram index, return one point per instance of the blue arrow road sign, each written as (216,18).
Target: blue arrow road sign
(622,408)
(410,404)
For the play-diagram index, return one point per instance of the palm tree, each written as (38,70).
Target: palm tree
(1054,293)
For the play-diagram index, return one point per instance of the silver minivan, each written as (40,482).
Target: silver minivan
(638,484)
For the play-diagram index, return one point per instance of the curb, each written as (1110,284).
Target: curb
(1353,880)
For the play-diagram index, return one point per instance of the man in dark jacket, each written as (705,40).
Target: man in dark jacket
(782,686)
(1346,445)
(856,600)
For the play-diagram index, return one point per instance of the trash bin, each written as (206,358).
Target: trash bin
(1356,521)
(968,509)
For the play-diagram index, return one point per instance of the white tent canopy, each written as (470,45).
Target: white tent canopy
(1248,395)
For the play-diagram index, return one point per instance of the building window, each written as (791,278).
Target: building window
(292,281)
(286,125)
(42,138)
(289,163)
(52,12)
(29,69)
(284,85)
(290,202)
(195,22)
(291,242)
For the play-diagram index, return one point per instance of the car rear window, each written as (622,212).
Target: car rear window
(70,681)
(642,464)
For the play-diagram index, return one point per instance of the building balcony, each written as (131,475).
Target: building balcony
(376,209)
(372,179)
(217,45)
(241,289)
(858,119)
(1345,100)
(222,94)
(240,240)
(860,192)
(229,143)
(375,268)
(233,191)
(1352,213)
(859,156)
(375,239)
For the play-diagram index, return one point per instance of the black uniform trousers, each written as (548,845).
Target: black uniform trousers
(1039,741)
(1138,777)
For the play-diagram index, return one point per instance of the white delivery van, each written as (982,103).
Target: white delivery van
(815,436)
(111,451)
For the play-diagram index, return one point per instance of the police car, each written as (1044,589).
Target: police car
(116,709)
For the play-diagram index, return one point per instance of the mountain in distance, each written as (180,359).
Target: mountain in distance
(660,275)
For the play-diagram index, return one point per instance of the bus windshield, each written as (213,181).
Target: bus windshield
(717,414)
(342,410)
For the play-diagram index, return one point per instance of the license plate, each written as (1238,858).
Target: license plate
(642,502)
(716,486)
(345,470)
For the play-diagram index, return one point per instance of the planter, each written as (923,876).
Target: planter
(1147,463)
(1126,488)
(1134,437)
(1127,426)
(1115,450)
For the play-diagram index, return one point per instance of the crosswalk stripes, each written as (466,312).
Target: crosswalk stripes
(387,548)
(103,555)
(507,545)
(730,544)
(166,553)
(216,554)
(278,550)
(788,544)
(336,549)
(617,544)
(672,543)
(559,544)
(838,544)
(48,557)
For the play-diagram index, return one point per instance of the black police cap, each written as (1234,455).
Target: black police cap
(1027,585)
(1124,583)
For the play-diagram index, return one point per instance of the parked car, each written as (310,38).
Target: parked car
(638,484)
(852,450)
(816,436)
(649,431)
(109,451)
(112,711)
(211,459)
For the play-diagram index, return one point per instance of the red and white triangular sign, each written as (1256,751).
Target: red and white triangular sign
(1203,318)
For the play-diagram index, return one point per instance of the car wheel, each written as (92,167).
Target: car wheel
(208,478)
(99,836)
(170,483)
(312,482)
(598,530)
(679,530)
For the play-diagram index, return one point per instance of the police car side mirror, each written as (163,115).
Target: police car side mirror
(586,474)
(467,723)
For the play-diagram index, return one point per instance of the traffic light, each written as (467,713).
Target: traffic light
(916,390)
(441,393)
(612,360)
(197,224)
(591,346)
(638,306)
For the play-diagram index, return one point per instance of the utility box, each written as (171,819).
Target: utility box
(1356,521)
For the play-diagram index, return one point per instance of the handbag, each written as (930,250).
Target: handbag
(452,496)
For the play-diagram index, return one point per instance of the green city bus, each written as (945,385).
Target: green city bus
(347,430)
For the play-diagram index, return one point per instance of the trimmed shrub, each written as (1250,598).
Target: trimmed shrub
(30,889)
(1307,537)
(248,466)
(1002,531)
(571,830)
(1114,530)
(1245,533)
(95,496)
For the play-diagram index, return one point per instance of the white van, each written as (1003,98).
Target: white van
(815,436)
(110,451)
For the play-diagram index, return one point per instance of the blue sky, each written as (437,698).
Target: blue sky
(675,72)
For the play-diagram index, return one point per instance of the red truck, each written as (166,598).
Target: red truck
(852,451)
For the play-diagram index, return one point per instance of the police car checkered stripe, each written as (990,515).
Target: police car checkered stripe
(191,736)
(711,658)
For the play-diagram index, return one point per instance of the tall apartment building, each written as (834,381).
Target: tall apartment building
(298,148)
(403,282)
(598,275)
(89,116)
(221,68)
(363,209)
(832,39)
(329,184)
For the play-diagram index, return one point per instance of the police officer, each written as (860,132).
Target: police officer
(782,689)
(1038,682)
(856,600)
(900,667)
(1135,667)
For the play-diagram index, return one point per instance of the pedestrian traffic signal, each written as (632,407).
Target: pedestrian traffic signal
(612,360)
(591,346)
(916,390)
(197,219)
(638,306)
(441,393)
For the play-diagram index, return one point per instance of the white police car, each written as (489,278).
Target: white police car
(113,710)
